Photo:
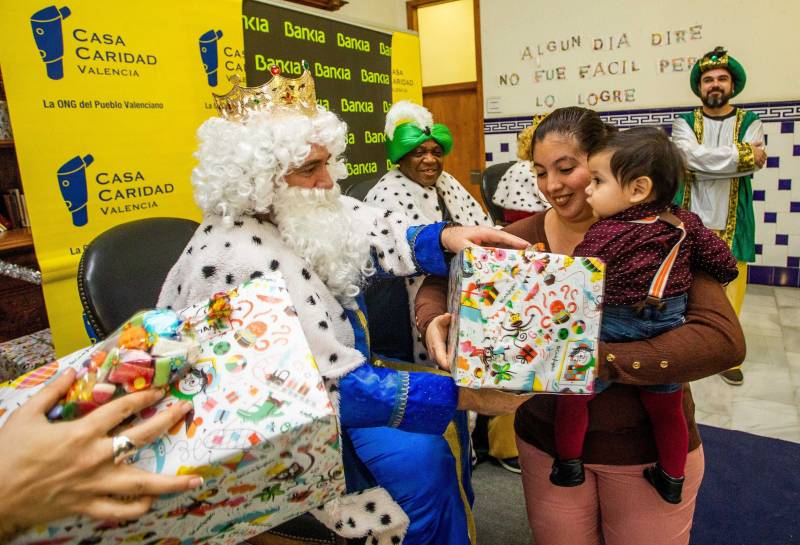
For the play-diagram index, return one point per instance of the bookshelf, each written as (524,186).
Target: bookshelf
(22,311)
(16,239)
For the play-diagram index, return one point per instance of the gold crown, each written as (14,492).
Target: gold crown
(280,93)
(715,59)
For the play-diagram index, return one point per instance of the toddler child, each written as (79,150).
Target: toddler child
(650,247)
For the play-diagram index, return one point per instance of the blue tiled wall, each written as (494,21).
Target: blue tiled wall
(776,188)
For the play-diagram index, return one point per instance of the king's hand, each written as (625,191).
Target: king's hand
(455,239)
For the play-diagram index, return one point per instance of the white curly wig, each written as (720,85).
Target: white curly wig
(241,163)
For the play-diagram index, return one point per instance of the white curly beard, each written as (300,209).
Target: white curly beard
(315,225)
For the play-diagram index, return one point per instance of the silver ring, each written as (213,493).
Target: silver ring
(123,448)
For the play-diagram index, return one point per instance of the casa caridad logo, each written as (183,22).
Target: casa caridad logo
(209,54)
(72,183)
(49,36)
(219,58)
(95,51)
(112,191)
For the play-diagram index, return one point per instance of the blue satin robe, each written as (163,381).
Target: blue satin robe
(396,423)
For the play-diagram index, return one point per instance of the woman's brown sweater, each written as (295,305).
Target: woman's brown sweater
(619,432)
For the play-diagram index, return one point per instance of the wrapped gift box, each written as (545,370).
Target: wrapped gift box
(525,320)
(262,434)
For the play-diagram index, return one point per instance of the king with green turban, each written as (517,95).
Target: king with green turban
(408,125)
(718,142)
(718,58)
(723,146)
(419,188)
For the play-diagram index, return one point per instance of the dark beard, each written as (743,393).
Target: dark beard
(716,101)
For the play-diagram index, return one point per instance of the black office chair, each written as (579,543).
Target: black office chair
(389,328)
(489,180)
(121,272)
(360,189)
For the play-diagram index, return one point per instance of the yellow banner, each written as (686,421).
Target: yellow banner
(406,68)
(105,99)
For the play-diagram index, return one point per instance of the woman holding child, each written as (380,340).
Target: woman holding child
(615,504)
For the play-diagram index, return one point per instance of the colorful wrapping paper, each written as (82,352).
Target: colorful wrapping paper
(525,320)
(23,354)
(262,434)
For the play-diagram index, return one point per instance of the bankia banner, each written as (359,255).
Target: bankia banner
(358,71)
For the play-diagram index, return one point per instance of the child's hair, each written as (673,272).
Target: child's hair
(645,151)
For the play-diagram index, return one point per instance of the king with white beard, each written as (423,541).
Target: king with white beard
(266,182)
(340,255)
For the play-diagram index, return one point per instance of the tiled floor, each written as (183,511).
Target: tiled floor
(768,403)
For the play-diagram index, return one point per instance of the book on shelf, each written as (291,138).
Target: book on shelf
(26,219)
(5,222)
(16,211)
(8,204)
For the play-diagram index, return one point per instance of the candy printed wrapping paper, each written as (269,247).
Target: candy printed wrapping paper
(525,320)
(262,434)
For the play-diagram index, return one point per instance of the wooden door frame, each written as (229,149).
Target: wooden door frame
(413,24)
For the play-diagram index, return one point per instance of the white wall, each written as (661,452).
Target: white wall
(515,36)
(519,37)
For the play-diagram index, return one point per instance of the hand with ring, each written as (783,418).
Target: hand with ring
(122,448)
(52,470)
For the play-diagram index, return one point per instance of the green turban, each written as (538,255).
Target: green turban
(718,58)
(408,136)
